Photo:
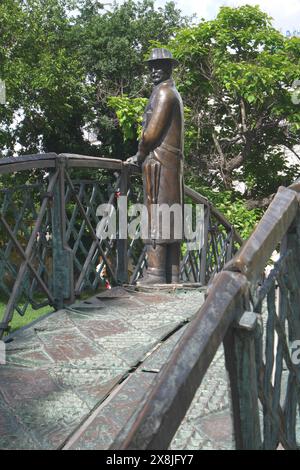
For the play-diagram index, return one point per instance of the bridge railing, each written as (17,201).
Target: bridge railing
(220,243)
(257,317)
(55,245)
(51,247)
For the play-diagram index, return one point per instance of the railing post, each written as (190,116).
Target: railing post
(63,276)
(203,256)
(122,240)
(229,249)
(239,345)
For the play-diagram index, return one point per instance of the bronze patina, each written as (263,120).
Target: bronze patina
(160,152)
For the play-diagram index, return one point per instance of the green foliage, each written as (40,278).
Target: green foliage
(235,75)
(64,72)
(129,112)
(232,205)
(113,44)
(60,68)
(44,78)
(235,210)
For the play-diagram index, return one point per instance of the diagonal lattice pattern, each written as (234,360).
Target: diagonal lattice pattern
(25,241)
(201,265)
(54,245)
(88,259)
(278,375)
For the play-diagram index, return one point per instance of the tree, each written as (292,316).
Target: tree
(62,59)
(113,45)
(44,76)
(235,76)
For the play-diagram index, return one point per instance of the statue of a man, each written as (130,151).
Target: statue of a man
(160,152)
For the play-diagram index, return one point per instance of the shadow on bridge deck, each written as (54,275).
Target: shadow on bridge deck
(73,378)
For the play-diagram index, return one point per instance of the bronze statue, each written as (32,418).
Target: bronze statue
(160,152)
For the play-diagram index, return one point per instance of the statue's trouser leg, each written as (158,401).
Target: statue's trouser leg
(156,272)
(173,263)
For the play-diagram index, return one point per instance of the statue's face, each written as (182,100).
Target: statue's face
(160,71)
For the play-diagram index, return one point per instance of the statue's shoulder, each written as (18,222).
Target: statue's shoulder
(167,90)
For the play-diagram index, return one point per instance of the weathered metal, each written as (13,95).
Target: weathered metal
(58,244)
(62,255)
(17,288)
(239,345)
(264,378)
(63,368)
(48,160)
(198,198)
(256,251)
(26,257)
(122,243)
(89,226)
(161,54)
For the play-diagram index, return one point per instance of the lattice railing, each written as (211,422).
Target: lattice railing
(277,336)
(267,337)
(220,242)
(51,246)
(90,254)
(21,239)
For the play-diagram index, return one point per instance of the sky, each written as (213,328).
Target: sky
(286,13)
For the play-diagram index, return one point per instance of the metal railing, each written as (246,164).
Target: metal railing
(257,317)
(220,243)
(50,248)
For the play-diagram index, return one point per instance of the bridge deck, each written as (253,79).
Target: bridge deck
(74,377)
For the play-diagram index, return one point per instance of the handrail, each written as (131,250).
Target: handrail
(48,160)
(158,416)
(198,198)
(256,251)
(53,262)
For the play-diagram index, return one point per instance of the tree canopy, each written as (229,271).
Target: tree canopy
(45,79)
(113,45)
(236,76)
(62,59)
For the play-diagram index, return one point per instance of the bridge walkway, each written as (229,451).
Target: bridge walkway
(73,377)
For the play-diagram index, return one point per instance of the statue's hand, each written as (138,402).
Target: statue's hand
(133,160)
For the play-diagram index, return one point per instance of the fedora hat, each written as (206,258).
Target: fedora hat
(160,53)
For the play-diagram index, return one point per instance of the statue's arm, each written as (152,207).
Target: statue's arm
(158,125)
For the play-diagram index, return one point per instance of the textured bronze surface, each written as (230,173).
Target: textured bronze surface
(256,251)
(208,422)
(157,417)
(63,366)
(257,322)
(160,152)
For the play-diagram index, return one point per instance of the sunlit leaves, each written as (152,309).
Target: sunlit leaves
(130,114)
(236,74)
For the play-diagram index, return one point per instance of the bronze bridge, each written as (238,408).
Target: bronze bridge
(135,367)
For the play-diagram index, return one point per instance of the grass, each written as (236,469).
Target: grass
(30,315)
